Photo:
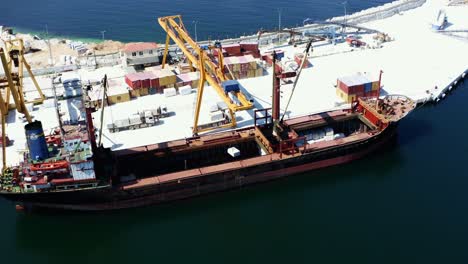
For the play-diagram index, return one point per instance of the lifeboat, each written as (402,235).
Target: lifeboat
(48,166)
(54,139)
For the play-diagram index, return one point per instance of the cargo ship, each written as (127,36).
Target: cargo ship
(70,171)
(70,168)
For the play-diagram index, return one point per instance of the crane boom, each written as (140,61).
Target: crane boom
(210,71)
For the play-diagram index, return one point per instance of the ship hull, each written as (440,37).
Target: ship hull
(109,198)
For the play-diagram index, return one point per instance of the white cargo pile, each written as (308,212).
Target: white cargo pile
(234,152)
(216,115)
(185,90)
(214,108)
(78,46)
(168,92)
(222,105)
(319,135)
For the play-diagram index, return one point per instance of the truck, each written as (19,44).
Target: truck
(145,118)
(218,118)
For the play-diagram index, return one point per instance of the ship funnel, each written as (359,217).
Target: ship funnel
(35,138)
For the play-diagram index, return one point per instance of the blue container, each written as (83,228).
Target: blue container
(367,87)
(279,54)
(231,85)
(36,141)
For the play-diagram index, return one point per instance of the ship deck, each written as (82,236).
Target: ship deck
(407,71)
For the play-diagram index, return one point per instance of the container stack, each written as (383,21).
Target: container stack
(194,79)
(140,83)
(349,88)
(184,67)
(162,78)
(243,67)
(233,49)
(250,48)
(167,78)
(183,80)
(117,93)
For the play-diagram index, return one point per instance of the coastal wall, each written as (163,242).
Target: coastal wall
(370,14)
(379,12)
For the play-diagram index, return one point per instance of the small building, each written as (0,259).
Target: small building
(140,54)
(117,93)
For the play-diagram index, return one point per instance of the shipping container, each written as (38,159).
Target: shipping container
(232,49)
(134,93)
(367,87)
(279,54)
(375,86)
(133,81)
(230,85)
(249,46)
(372,94)
(145,80)
(216,51)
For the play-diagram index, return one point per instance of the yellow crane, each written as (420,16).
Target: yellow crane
(15,49)
(11,86)
(211,71)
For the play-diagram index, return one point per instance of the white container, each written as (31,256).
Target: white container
(234,152)
(185,90)
(168,92)
(135,119)
(328,131)
(222,105)
(338,136)
(214,108)
(215,116)
(122,123)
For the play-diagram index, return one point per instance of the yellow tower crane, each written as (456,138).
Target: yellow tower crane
(211,71)
(11,85)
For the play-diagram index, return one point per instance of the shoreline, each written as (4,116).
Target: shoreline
(60,44)
(352,17)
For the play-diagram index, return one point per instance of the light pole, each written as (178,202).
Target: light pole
(48,44)
(344,6)
(279,18)
(195,22)
(102,33)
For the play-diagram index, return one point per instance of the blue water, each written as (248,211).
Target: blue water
(137,20)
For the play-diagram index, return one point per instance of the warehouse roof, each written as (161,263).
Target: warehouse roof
(139,46)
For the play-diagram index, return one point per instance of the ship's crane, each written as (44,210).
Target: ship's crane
(211,71)
(11,85)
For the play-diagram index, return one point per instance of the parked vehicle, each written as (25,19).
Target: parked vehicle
(146,118)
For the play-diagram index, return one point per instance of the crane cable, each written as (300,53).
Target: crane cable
(306,53)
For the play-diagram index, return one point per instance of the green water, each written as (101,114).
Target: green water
(408,204)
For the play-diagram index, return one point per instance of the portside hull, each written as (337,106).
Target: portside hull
(118,198)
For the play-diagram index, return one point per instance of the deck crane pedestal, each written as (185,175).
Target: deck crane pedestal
(211,71)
